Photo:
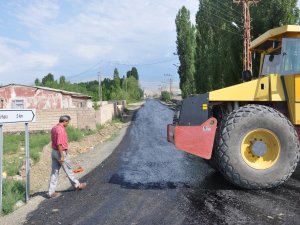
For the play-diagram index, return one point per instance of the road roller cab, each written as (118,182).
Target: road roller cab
(249,131)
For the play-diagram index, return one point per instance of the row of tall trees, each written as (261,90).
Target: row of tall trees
(210,52)
(127,88)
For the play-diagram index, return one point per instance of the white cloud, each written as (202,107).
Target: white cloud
(80,33)
(14,62)
(14,42)
(37,13)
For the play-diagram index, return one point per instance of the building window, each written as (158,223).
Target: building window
(17,104)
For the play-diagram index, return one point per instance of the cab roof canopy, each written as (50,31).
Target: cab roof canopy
(266,40)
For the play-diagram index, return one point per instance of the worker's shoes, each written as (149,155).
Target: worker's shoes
(81,186)
(54,195)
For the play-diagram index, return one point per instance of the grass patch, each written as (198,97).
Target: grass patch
(88,132)
(117,119)
(12,143)
(36,144)
(12,164)
(113,136)
(74,134)
(126,111)
(13,191)
(99,126)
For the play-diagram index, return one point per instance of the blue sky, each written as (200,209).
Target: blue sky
(79,38)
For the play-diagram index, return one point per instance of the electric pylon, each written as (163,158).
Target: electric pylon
(247,59)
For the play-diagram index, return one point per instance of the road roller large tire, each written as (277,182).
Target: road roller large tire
(257,147)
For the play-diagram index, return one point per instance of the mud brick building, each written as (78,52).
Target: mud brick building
(16,96)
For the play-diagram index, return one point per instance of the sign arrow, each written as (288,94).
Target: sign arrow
(17,115)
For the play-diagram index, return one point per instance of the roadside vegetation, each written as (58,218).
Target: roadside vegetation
(14,158)
(13,191)
(126,87)
(210,51)
(165,96)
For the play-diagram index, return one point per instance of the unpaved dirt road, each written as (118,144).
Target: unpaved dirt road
(147,181)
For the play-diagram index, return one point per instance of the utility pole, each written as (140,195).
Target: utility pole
(160,89)
(100,88)
(247,59)
(170,80)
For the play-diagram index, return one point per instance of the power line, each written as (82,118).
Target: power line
(223,18)
(220,28)
(233,10)
(117,63)
(145,64)
(81,73)
(224,13)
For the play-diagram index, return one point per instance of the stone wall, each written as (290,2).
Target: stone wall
(80,118)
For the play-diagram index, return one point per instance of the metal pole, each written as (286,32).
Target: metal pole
(1,165)
(170,87)
(27,162)
(101,89)
(247,58)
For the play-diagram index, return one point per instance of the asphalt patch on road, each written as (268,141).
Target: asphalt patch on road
(150,162)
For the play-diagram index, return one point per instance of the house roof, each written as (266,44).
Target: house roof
(73,94)
(272,35)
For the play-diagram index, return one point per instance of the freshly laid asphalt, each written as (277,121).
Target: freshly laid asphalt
(146,180)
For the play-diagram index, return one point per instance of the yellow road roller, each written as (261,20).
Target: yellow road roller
(249,131)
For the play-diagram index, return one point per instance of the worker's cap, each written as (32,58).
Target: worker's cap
(64,118)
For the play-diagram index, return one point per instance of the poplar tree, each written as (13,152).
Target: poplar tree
(186,51)
(219,48)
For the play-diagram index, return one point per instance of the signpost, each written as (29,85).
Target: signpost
(16,116)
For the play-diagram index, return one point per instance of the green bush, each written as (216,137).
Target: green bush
(74,134)
(126,111)
(13,142)
(39,140)
(117,119)
(88,132)
(99,126)
(13,165)
(13,191)
(37,143)
(165,96)
(35,154)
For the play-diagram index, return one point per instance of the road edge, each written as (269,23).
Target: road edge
(102,151)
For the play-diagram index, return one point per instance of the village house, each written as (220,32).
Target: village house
(16,96)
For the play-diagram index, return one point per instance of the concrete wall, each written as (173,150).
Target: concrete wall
(80,118)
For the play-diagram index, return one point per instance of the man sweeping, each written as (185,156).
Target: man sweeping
(60,157)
